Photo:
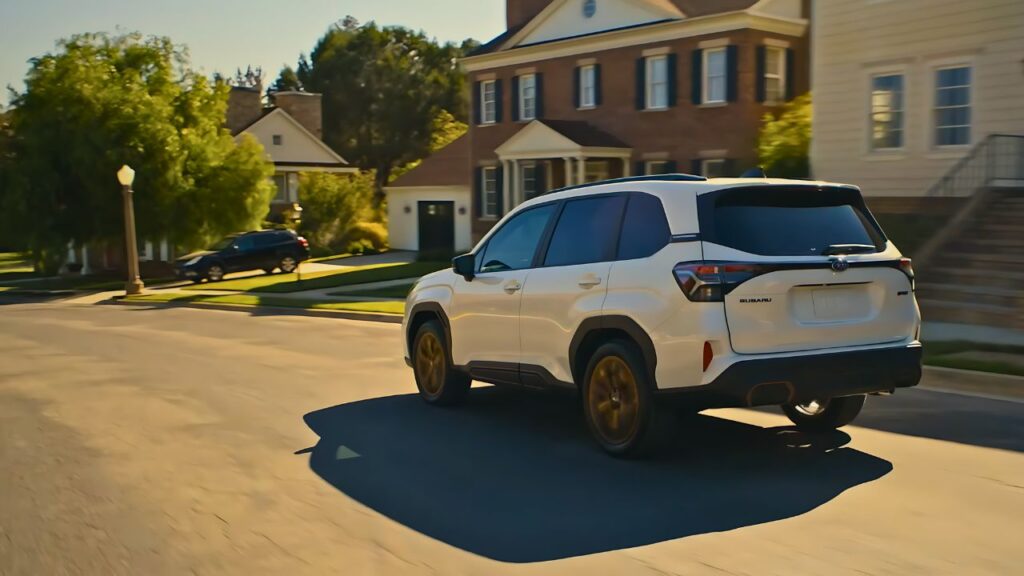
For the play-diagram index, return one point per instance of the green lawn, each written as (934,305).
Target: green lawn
(15,266)
(260,300)
(284,283)
(951,355)
(398,291)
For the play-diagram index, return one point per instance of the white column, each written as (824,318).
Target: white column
(86,269)
(71,253)
(506,183)
(513,193)
(568,171)
(581,170)
(165,251)
(626,172)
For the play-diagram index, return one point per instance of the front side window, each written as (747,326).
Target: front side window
(527,97)
(586,231)
(774,74)
(489,181)
(953,106)
(657,82)
(887,111)
(588,87)
(488,102)
(714,168)
(714,75)
(514,245)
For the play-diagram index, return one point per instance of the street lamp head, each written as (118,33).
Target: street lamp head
(126,175)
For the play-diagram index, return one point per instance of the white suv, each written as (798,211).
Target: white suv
(710,293)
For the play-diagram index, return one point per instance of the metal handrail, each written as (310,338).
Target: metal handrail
(984,163)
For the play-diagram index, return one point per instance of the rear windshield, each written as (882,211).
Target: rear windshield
(791,221)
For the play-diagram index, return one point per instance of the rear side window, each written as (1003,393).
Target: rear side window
(514,246)
(586,231)
(644,229)
(789,221)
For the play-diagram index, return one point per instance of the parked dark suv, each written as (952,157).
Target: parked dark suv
(265,250)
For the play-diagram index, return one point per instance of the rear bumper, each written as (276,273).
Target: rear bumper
(798,379)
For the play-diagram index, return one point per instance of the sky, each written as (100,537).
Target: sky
(223,35)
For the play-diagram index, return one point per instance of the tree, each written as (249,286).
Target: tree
(383,90)
(332,204)
(784,142)
(286,81)
(103,101)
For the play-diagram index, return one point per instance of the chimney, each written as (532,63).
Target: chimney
(518,12)
(305,107)
(245,106)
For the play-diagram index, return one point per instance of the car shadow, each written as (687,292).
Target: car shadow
(514,477)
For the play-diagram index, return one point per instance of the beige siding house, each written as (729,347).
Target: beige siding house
(903,89)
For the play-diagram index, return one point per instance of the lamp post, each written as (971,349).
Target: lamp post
(134,284)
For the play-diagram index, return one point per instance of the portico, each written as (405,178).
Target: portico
(549,154)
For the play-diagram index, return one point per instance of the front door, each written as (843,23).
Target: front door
(437,228)
(485,310)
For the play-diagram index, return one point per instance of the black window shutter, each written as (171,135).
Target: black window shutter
(790,74)
(673,65)
(597,84)
(760,88)
(670,167)
(641,83)
(538,83)
(478,192)
(540,180)
(695,167)
(515,98)
(696,76)
(477,103)
(729,168)
(730,73)
(641,168)
(576,83)
(499,183)
(498,97)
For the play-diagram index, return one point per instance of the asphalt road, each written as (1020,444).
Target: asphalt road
(169,441)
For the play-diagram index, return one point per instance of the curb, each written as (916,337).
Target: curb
(970,382)
(278,310)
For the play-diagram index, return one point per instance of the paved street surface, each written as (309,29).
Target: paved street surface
(170,441)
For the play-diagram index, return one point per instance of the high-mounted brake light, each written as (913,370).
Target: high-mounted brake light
(908,269)
(711,281)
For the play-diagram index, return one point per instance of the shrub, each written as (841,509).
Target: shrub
(373,233)
(331,205)
(784,142)
(363,246)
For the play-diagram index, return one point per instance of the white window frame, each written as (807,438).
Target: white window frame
(651,86)
(488,116)
(281,194)
(778,74)
(525,116)
(650,164)
(277,140)
(489,197)
(934,108)
(706,73)
(902,111)
(705,163)
(523,168)
(588,92)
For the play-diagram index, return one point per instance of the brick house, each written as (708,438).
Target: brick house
(576,91)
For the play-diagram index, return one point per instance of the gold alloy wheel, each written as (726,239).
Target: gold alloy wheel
(614,400)
(430,364)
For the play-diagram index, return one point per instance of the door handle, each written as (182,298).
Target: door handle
(512,287)
(589,281)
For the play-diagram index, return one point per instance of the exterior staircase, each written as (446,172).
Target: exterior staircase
(972,271)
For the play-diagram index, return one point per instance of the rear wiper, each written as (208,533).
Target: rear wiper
(848,249)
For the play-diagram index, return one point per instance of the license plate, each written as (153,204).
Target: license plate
(839,303)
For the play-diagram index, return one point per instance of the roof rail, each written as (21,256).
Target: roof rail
(647,178)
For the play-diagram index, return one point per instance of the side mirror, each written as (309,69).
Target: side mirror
(465,266)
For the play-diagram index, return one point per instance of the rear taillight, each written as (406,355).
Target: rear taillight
(709,355)
(304,242)
(711,281)
(908,269)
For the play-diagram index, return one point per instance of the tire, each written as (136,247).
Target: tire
(215,273)
(438,382)
(824,417)
(619,404)
(288,264)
